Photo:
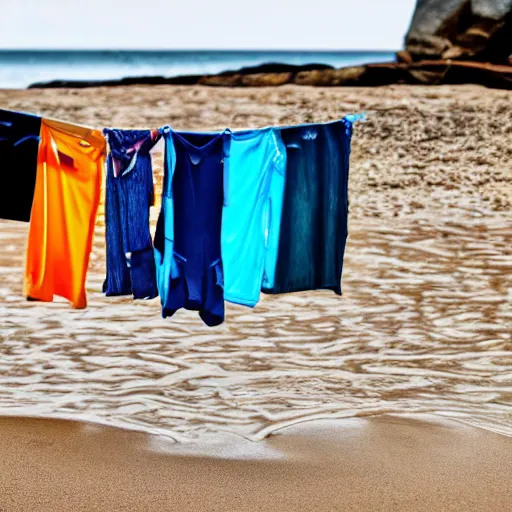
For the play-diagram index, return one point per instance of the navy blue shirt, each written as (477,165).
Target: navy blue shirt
(193,195)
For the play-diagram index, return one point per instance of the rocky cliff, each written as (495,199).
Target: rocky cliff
(460,29)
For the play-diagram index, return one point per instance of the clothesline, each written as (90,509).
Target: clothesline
(360,117)
(241,211)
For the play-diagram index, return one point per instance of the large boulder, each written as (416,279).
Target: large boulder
(460,29)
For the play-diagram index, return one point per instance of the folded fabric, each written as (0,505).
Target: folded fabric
(19,142)
(129,195)
(187,239)
(315,208)
(251,217)
(66,199)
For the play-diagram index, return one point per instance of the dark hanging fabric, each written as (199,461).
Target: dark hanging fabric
(19,142)
(315,209)
(129,195)
(187,240)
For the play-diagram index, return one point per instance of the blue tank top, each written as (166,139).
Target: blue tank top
(187,240)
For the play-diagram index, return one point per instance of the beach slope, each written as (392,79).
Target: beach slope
(385,464)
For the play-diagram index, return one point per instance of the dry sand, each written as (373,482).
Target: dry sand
(422,147)
(424,153)
(385,464)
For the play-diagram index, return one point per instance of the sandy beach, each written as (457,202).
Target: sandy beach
(395,397)
(422,147)
(379,465)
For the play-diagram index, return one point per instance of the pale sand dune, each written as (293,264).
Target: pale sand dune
(385,464)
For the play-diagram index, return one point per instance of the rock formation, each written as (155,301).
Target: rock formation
(460,29)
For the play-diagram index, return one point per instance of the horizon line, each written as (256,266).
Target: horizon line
(315,50)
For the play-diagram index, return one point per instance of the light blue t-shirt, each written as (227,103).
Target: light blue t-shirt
(254,174)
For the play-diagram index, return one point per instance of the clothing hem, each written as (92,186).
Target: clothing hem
(335,288)
(240,301)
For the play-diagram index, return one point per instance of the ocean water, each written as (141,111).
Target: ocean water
(409,337)
(20,68)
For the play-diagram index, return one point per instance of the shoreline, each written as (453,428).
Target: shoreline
(423,72)
(225,436)
(376,464)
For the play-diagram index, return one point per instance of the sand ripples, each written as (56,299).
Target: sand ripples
(423,326)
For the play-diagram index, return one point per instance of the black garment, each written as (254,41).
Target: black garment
(19,143)
(315,208)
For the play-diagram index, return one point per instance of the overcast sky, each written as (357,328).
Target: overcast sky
(205,24)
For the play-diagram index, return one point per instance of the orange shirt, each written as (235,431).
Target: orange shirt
(66,199)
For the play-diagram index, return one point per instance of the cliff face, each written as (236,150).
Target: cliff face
(460,29)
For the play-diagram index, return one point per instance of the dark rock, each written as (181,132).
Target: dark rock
(275,67)
(272,73)
(221,80)
(461,29)
(404,56)
(435,72)
(266,79)
(330,77)
(184,80)
(425,77)
(137,80)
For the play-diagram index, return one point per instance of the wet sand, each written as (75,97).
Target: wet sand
(423,327)
(386,464)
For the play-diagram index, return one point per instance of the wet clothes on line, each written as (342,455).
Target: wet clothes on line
(66,199)
(241,211)
(315,208)
(255,177)
(19,142)
(129,195)
(188,234)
